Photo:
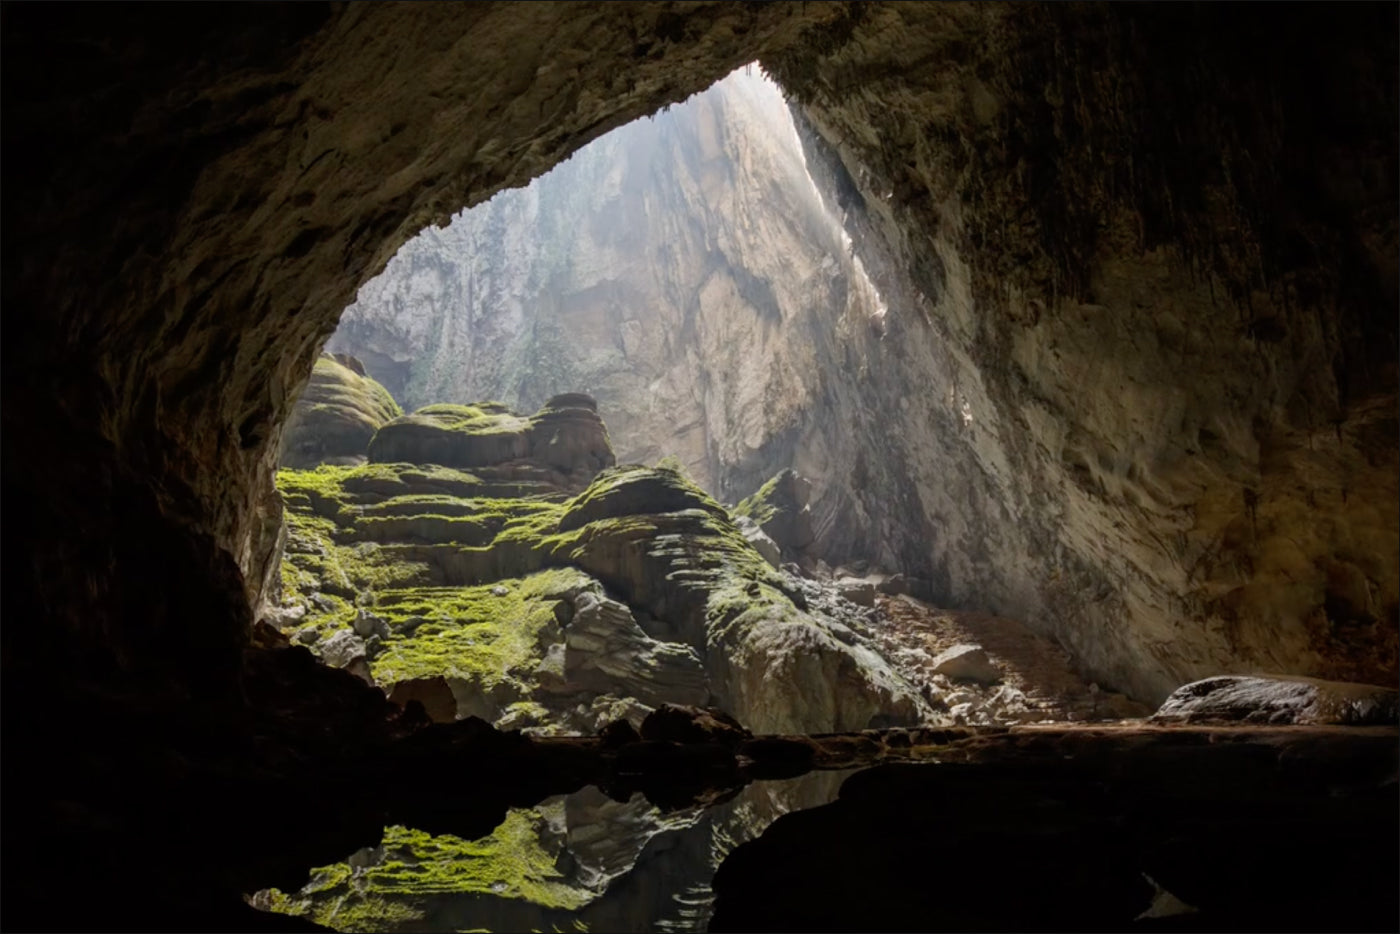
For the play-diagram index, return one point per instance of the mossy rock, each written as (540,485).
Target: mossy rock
(452,436)
(780,507)
(337,415)
(390,886)
(636,491)
(471,588)
(565,443)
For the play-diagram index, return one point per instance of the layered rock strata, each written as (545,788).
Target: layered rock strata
(481,564)
(338,413)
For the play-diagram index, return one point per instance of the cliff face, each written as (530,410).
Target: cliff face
(1145,364)
(683,269)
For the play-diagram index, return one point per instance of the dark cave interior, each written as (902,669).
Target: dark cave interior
(193,193)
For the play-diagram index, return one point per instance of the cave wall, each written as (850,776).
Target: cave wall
(1145,356)
(1145,373)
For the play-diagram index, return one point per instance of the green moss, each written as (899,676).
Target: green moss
(332,381)
(759,506)
(320,488)
(482,418)
(649,534)
(471,633)
(511,863)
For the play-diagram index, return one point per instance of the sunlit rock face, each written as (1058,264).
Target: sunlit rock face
(1145,364)
(189,210)
(1133,403)
(1146,403)
(684,269)
(336,416)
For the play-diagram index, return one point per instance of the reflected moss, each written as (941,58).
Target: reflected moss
(410,866)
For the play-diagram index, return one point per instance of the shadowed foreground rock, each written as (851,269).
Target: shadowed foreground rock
(1078,829)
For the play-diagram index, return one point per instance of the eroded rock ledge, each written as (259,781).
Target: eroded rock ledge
(494,565)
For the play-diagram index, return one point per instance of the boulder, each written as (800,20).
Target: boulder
(1279,699)
(761,542)
(336,416)
(605,651)
(342,648)
(367,625)
(568,435)
(857,590)
(966,663)
(678,723)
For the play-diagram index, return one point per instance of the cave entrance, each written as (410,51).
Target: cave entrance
(690,271)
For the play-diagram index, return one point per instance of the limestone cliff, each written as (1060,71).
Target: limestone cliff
(683,269)
(1157,241)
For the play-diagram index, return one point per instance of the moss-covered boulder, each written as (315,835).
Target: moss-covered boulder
(565,443)
(338,413)
(780,508)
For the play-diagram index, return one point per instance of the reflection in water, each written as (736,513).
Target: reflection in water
(580,862)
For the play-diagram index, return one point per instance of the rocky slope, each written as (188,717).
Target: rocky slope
(492,565)
(1127,448)
(1145,398)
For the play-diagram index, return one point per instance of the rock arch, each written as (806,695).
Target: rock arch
(192,195)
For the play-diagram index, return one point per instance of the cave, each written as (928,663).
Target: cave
(1137,390)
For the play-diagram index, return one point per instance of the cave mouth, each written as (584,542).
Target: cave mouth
(665,297)
(200,193)
(683,270)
